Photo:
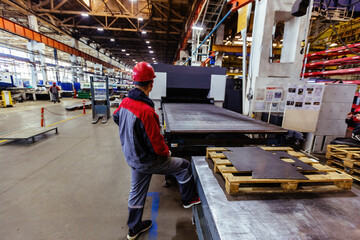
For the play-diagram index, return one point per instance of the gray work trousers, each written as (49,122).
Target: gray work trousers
(140,181)
(55,97)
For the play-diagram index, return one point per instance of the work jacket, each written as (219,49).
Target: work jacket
(54,89)
(139,128)
(353,124)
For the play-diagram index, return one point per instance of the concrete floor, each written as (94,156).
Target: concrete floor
(75,185)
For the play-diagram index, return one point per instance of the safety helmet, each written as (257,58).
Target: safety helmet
(54,83)
(143,72)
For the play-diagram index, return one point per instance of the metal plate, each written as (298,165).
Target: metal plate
(26,133)
(265,165)
(207,118)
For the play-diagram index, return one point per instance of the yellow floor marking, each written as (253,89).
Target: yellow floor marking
(65,120)
(3,141)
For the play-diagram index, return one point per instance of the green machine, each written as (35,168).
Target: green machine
(100,98)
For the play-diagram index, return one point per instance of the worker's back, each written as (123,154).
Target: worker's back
(139,131)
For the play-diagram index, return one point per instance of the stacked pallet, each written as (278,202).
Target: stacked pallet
(323,178)
(344,157)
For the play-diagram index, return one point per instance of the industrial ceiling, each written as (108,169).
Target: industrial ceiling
(130,31)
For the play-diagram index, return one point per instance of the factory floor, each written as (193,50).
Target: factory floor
(75,184)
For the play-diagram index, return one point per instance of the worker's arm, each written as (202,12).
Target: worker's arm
(152,128)
(350,122)
(116,116)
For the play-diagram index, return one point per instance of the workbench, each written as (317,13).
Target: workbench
(325,215)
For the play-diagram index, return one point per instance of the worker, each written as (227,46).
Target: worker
(145,150)
(54,90)
(353,121)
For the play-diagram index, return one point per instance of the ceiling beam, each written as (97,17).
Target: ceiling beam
(105,14)
(130,39)
(60,4)
(118,29)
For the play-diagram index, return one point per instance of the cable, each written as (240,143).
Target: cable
(350,5)
(333,27)
(209,35)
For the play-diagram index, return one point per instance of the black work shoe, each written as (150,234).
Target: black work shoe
(146,226)
(355,137)
(194,201)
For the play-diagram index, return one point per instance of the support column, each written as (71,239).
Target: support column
(57,74)
(32,56)
(73,68)
(33,80)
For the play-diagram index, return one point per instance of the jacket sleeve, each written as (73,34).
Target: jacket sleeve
(116,116)
(152,128)
(350,122)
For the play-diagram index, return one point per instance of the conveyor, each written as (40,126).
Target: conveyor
(272,216)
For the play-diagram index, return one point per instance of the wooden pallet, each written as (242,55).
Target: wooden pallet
(324,178)
(345,157)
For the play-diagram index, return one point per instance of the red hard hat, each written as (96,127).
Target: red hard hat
(143,72)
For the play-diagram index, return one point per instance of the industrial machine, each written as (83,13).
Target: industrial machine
(191,100)
(100,98)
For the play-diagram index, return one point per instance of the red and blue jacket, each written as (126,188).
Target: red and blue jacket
(139,129)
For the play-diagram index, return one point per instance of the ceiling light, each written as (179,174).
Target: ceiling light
(143,32)
(134,60)
(151,51)
(123,50)
(333,44)
(127,54)
(197,28)
(100,29)
(147,42)
(113,40)
(140,19)
(153,58)
(84,14)
(149,46)
(237,36)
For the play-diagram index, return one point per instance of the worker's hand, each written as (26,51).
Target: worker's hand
(349,115)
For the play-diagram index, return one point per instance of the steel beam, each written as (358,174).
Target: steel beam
(118,29)
(32,35)
(105,14)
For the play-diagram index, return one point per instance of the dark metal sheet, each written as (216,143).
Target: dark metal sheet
(207,118)
(297,163)
(263,164)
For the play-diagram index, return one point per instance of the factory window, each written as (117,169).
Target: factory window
(50,60)
(17,53)
(4,50)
